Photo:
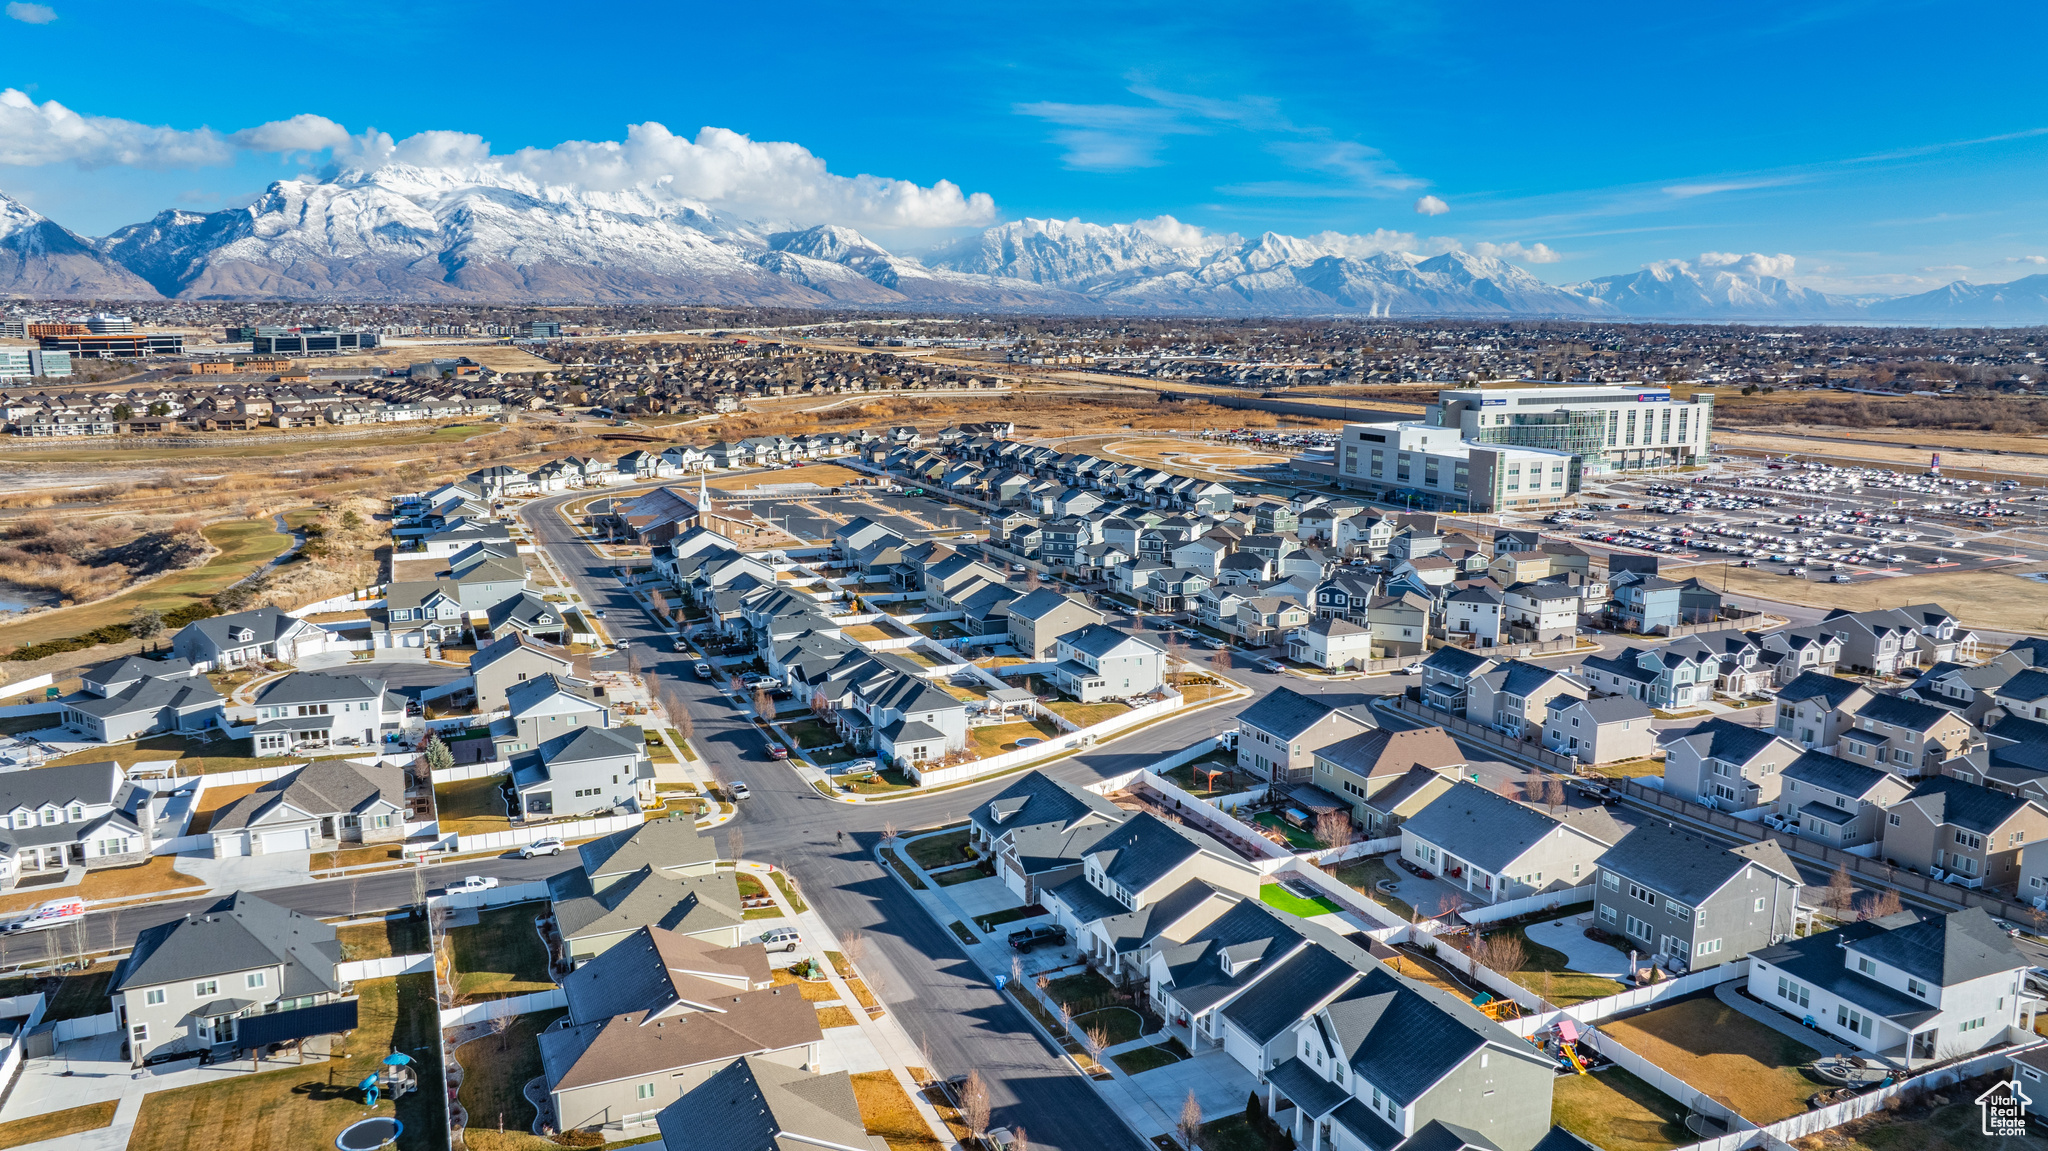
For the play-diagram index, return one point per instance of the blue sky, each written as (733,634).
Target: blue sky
(1883,147)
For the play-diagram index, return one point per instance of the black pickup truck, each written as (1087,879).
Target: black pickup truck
(1031,937)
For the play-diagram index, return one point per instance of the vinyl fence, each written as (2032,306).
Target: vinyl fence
(1678,1089)
(1359,850)
(69,1029)
(1204,815)
(1508,909)
(465,771)
(572,829)
(500,1008)
(386,967)
(495,897)
(931,776)
(1594,1010)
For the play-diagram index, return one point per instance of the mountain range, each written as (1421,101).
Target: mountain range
(401,232)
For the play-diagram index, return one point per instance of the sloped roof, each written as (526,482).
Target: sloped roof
(237,933)
(1384,752)
(621,1047)
(1965,805)
(760,1105)
(1819,769)
(1686,867)
(1488,830)
(322,787)
(1287,713)
(662,973)
(1942,949)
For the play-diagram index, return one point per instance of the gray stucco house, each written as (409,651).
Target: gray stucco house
(1693,903)
(132,697)
(1496,848)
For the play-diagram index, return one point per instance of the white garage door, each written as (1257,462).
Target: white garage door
(294,840)
(227,845)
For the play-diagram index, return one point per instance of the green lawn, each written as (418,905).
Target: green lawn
(881,783)
(750,887)
(1139,1060)
(954,876)
(1083,991)
(501,954)
(1617,1111)
(1296,838)
(471,806)
(245,545)
(1122,1023)
(1274,895)
(75,996)
(1233,1133)
(810,733)
(935,851)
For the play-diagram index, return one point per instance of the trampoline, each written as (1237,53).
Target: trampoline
(369,1135)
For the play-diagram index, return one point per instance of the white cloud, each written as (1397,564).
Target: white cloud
(33,134)
(1176,234)
(1109,137)
(1372,243)
(771,179)
(2026,260)
(1516,250)
(1431,206)
(1715,188)
(31,13)
(1750,264)
(304,132)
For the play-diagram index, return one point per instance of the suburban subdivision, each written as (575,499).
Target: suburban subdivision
(934,735)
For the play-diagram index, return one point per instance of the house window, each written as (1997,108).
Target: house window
(1606,913)
(1892,820)
(1793,992)
(645,1091)
(1917,987)
(205,987)
(1640,930)
(1638,891)
(1611,880)
(141,1033)
(1759,904)
(153,996)
(1865,966)
(255,979)
(1859,1023)
(1708,947)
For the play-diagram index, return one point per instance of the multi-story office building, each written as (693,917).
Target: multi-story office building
(1609,427)
(539,330)
(21,363)
(112,346)
(106,324)
(275,341)
(1411,462)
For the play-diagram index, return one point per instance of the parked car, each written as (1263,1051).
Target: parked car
(1272,665)
(472,883)
(1031,937)
(739,790)
(702,669)
(1838,577)
(777,751)
(540,847)
(781,939)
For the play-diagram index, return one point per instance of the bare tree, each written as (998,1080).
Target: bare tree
(974,1105)
(1066,1020)
(1189,1125)
(889,831)
(854,947)
(679,718)
(1451,904)
(1017,1140)
(498,1027)
(1334,828)
(1510,788)
(764,706)
(1503,951)
(633,661)
(1841,891)
(1885,903)
(1095,1037)
(735,841)
(1553,793)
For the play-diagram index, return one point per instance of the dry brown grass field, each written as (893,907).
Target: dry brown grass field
(1991,600)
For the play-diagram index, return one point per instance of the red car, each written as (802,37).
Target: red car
(777,751)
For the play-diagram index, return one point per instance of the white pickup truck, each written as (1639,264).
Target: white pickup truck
(472,883)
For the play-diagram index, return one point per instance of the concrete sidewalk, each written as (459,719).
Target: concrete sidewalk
(1730,993)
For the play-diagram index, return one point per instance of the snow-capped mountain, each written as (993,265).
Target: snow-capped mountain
(2022,301)
(39,258)
(488,233)
(1675,289)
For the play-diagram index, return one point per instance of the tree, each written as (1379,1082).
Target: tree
(735,841)
(1018,1140)
(679,718)
(437,755)
(1886,903)
(123,412)
(145,623)
(1095,1037)
(1451,904)
(974,1105)
(1334,828)
(1841,890)
(1503,951)
(853,947)
(1553,793)
(763,705)
(1189,1125)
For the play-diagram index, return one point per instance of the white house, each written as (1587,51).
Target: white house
(1101,662)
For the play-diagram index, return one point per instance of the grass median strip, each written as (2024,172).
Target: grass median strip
(830,1017)
(57,1124)
(886,1110)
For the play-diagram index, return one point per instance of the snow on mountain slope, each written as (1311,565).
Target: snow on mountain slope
(1078,255)
(1675,289)
(849,267)
(2021,301)
(39,258)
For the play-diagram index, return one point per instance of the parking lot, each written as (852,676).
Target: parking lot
(1819,523)
(912,517)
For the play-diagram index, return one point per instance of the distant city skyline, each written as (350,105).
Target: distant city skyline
(1746,136)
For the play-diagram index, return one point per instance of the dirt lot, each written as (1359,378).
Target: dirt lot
(824,475)
(1903,458)
(1981,599)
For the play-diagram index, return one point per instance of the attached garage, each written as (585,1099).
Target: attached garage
(229,845)
(297,839)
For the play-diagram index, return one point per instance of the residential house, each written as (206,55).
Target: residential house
(75,814)
(1908,738)
(1541,612)
(1264,620)
(1137,864)
(1331,643)
(1963,830)
(541,708)
(320,806)
(593,911)
(1674,676)
(1398,624)
(756,1102)
(1727,765)
(1495,848)
(1475,614)
(660,1014)
(508,660)
(1599,729)
(1917,987)
(1836,802)
(584,770)
(1693,902)
(1447,678)
(1098,662)
(194,983)
(1648,604)
(1278,736)
(1037,830)
(1889,641)
(314,711)
(245,637)
(1969,690)
(1387,776)
(131,697)
(1813,710)
(1515,697)
(1039,618)
(1791,652)
(2025,695)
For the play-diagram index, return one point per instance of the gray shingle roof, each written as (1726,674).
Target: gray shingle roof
(1685,866)
(318,687)
(1145,849)
(1966,805)
(759,1105)
(2029,686)
(1287,713)
(1819,769)
(323,787)
(1726,741)
(1487,830)
(237,933)
(1942,949)
(1902,712)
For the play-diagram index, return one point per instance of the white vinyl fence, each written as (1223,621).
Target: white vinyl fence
(573,829)
(933,776)
(468,771)
(495,897)
(1685,1093)
(1528,904)
(1364,848)
(1200,812)
(499,1008)
(386,967)
(1594,1010)
(69,1029)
